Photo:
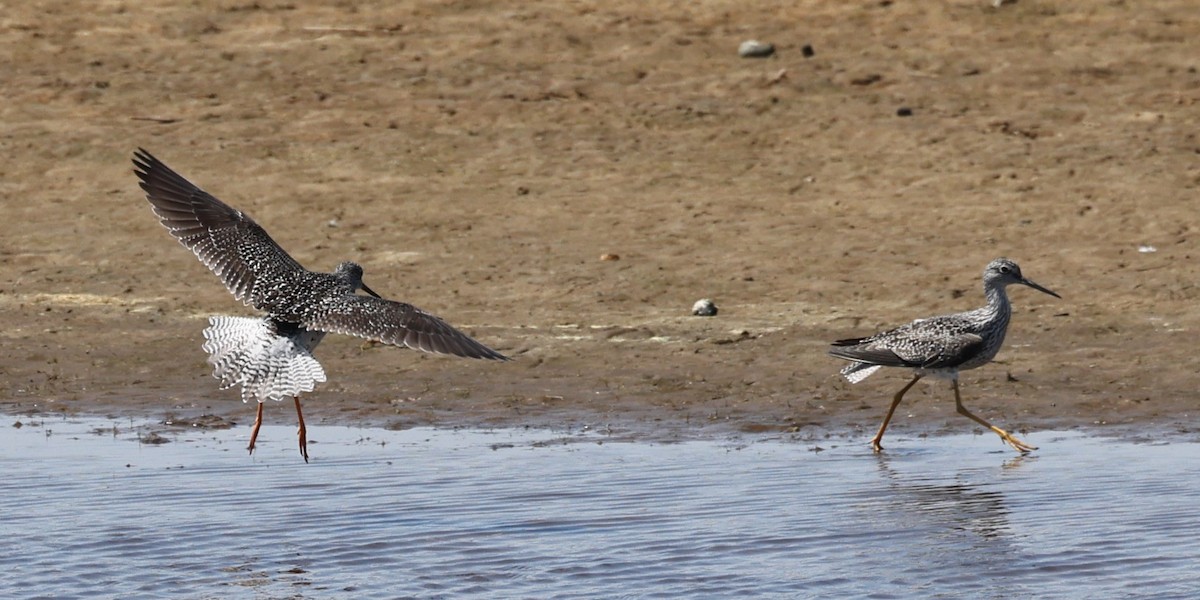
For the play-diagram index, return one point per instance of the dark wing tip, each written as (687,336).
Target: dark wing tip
(489,354)
(181,199)
(158,180)
(144,163)
(454,342)
(849,342)
(423,331)
(883,357)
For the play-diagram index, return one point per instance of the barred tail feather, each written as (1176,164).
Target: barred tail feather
(856,372)
(268,363)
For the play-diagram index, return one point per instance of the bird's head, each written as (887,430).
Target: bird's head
(352,273)
(1002,272)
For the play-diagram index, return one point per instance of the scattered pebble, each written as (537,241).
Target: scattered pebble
(755,49)
(867,79)
(152,438)
(807,51)
(904,111)
(1147,249)
(704,308)
(206,422)
(610,257)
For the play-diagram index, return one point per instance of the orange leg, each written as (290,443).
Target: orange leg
(1008,438)
(257,425)
(875,445)
(303,433)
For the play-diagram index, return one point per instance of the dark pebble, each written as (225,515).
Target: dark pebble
(904,111)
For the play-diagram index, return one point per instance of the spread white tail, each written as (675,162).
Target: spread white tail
(271,362)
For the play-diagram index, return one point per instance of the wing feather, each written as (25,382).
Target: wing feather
(952,350)
(396,323)
(871,355)
(226,240)
(894,349)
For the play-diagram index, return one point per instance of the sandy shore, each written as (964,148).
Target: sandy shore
(479,159)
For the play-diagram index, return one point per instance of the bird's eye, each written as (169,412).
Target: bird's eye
(1004,269)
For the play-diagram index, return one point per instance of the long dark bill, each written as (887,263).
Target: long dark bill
(372,292)
(1034,286)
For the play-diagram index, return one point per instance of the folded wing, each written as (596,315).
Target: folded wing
(941,351)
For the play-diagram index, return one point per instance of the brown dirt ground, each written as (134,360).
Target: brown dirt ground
(480,157)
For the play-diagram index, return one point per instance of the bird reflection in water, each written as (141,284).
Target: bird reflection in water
(962,505)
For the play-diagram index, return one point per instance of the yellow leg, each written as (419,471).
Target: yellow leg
(1008,438)
(895,402)
(303,433)
(257,425)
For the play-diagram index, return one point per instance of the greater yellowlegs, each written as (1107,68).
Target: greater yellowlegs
(942,345)
(271,357)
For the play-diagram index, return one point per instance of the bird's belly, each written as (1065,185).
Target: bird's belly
(948,374)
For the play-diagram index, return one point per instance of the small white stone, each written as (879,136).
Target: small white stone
(755,49)
(704,308)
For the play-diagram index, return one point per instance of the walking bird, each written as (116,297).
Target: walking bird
(942,346)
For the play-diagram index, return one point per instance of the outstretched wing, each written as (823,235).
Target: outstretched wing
(227,241)
(396,323)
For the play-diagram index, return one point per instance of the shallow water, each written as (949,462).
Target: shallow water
(515,514)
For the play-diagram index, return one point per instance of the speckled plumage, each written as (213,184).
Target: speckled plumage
(261,274)
(271,358)
(941,345)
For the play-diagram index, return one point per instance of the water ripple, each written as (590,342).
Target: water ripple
(440,514)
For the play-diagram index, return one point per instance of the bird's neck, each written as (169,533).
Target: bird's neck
(997,302)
